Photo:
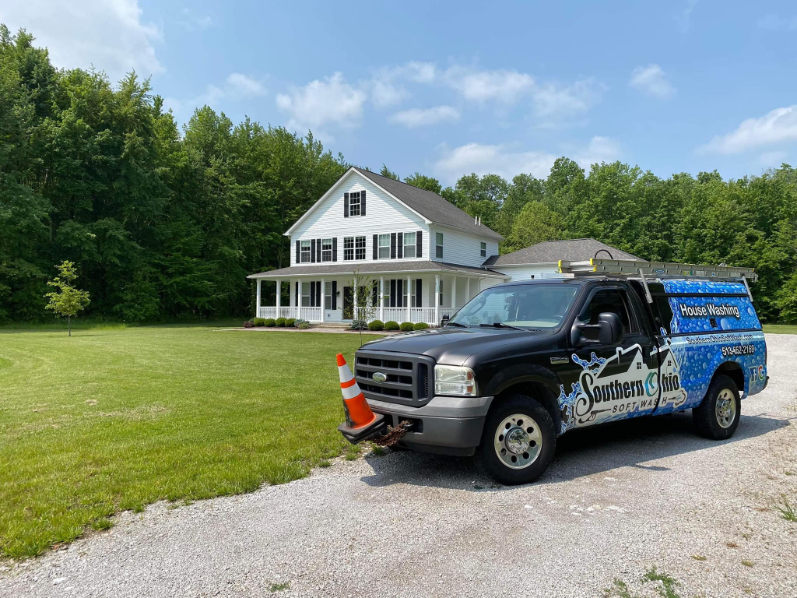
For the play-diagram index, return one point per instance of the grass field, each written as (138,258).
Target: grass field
(116,418)
(780,328)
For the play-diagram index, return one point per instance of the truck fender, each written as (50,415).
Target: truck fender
(529,376)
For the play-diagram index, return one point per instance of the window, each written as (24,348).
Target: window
(326,250)
(384,247)
(529,306)
(484,249)
(439,245)
(306,294)
(608,300)
(305,252)
(327,295)
(353,248)
(354,203)
(409,244)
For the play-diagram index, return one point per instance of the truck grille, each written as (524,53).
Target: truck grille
(407,377)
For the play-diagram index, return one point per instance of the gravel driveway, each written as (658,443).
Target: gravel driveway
(616,502)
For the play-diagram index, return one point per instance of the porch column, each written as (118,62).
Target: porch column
(382,298)
(409,299)
(437,300)
(257,308)
(278,297)
(323,299)
(454,293)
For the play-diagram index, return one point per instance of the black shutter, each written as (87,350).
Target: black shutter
(392,249)
(312,293)
(334,249)
(392,292)
(376,247)
(419,246)
(375,295)
(345,205)
(362,203)
(318,295)
(334,294)
(296,296)
(400,293)
(298,253)
(318,251)
(400,248)
(312,250)
(418,292)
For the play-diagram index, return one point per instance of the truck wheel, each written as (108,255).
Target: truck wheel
(717,417)
(518,442)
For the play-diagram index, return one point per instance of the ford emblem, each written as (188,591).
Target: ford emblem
(378,377)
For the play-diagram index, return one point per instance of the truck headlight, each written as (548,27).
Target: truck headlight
(454,380)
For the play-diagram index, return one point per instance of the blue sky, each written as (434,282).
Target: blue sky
(449,88)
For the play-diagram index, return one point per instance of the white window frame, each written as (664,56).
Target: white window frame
(438,250)
(383,251)
(483,249)
(327,295)
(359,248)
(306,285)
(414,246)
(304,247)
(348,249)
(352,204)
(326,250)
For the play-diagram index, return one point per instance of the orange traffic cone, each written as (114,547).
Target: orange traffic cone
(359,417)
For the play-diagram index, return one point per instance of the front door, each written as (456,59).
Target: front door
(348,303)
(612,382)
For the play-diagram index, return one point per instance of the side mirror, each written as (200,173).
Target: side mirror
(444,320)
(607,331)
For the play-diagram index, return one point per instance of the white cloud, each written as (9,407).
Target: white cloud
(505,161)
(236,87)
(779,126)
(557,101)
(386,85)
(244,85)
(108,34)
(192,21)
(421,117)
(480,86)
(778,23)
(684,19)
(652,81)
(321,103)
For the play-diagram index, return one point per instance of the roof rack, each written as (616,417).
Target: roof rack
(658,270)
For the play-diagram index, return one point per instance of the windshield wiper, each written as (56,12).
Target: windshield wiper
(450,323)
(501,325)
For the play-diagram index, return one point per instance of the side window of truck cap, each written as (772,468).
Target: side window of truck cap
(609,300)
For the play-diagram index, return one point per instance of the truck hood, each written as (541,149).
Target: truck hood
(453,346)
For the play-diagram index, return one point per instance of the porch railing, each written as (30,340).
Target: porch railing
(311,314)
(396,314)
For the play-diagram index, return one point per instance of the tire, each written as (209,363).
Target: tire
(530,443)
(717,417)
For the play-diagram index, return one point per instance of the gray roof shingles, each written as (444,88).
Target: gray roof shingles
(375,268)
(547,252)
(430,205)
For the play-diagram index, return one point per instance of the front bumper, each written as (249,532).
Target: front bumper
(447,425)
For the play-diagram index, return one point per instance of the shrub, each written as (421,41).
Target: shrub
(249,324)
(376,325)
(421,326)
(280,322)
(269,323)
(259,322)
(298,322)
(407,326)
(303,325)
(391,325)
(358,325)
(290,322)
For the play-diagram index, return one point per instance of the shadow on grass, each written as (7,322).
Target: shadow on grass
(630,443)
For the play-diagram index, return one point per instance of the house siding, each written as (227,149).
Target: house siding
(461,248)
(383,215)
(526,271)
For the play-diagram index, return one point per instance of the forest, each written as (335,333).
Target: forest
(165,222)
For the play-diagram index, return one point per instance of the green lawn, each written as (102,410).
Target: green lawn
(780,328)
(116,418)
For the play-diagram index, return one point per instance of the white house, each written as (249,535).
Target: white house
(421,257)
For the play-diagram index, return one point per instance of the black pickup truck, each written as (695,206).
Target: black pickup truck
(525,362)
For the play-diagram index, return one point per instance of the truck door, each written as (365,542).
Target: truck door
(612,381)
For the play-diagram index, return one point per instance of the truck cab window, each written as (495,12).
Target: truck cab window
(609,300)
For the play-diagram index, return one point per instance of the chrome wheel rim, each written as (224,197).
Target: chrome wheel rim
(725,409)
(518,441)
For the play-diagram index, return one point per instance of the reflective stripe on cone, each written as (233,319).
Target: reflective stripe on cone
(358,413)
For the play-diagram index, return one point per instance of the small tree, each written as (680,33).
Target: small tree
(365,309)
(67,301)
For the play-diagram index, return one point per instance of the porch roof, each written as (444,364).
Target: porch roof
(378,268)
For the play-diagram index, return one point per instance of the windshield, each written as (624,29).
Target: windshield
(524,306)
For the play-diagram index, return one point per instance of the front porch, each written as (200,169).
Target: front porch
(392,296)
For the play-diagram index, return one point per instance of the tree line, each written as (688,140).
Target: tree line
(163,223)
